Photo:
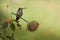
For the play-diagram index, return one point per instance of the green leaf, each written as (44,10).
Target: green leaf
(9,37)
(2,37)
(12,37)
(18,25)
(12,25)
(4,25)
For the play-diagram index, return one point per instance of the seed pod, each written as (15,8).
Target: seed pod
(32,26)
(8,20)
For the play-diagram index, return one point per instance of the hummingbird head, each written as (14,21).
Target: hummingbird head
(21,8)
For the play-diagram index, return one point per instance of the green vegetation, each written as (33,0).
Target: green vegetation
(46,12)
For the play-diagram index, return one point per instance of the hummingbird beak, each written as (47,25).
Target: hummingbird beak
(23,8)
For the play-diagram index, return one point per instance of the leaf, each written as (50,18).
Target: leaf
(4,25)
(3,35)
(18,25)
(12,25)
(9,37)
(12,37)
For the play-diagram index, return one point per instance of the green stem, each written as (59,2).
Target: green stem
(21,18)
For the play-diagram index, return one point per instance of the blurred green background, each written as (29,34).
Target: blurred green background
(46,12)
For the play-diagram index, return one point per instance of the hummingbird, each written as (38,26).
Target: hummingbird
(19,13)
